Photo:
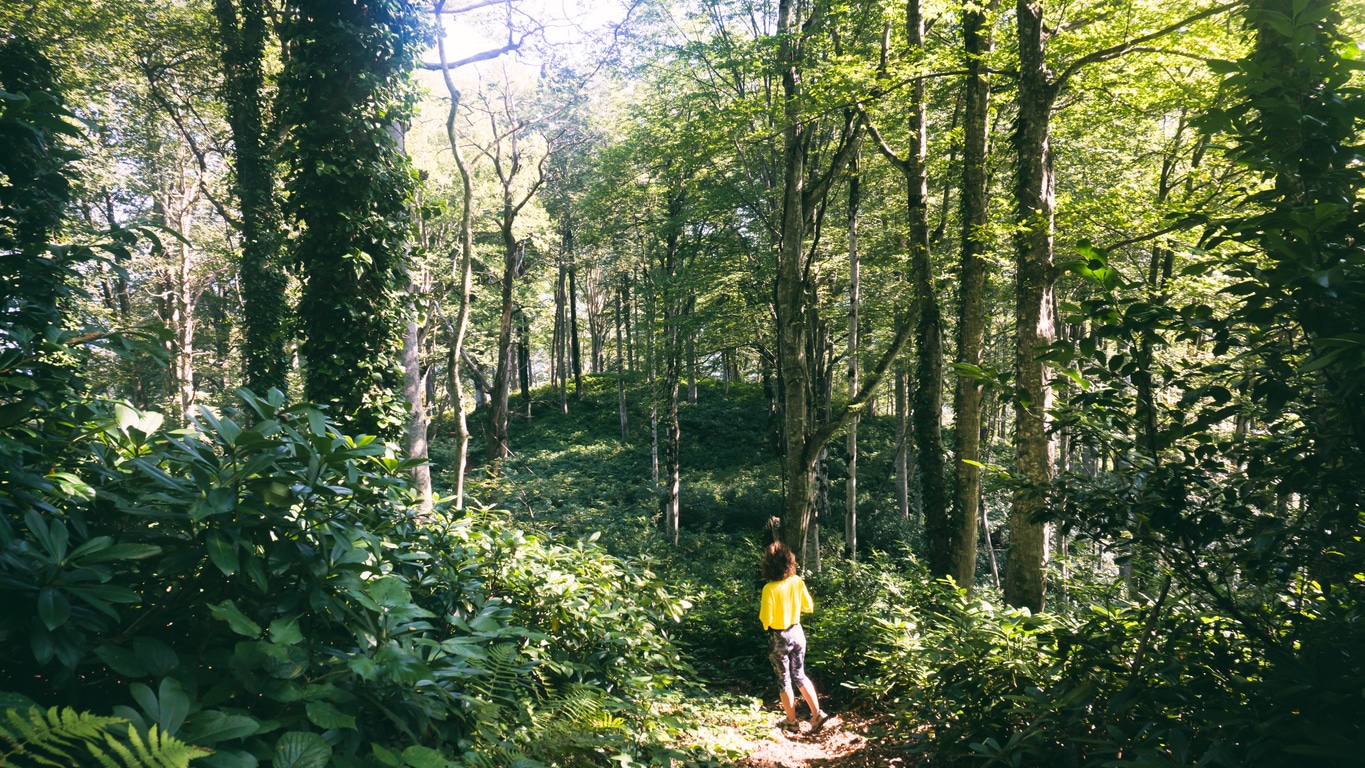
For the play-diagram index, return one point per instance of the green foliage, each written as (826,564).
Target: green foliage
(343,90)
(54,738)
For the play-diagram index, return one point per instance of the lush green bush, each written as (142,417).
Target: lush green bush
(1166,682)
(265,591)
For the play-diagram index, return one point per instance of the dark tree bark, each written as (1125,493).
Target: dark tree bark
(854,296)
(1034,214)
(574,349)
(927,405)
(670,267)
(524,358)
(803,191)
(971,324)
(242,35)
(620,369)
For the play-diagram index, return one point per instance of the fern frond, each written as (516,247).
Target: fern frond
(44,737)
(52,739)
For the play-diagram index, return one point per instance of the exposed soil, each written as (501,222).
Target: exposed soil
(850,741)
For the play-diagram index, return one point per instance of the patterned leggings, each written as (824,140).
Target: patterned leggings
(787,653)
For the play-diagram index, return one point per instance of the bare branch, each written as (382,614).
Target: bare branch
(858,404)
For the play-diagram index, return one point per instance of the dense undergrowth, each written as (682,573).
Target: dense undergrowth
(1146,671)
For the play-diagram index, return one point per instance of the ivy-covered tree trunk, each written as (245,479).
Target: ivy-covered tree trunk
(927,398)
(345,79)
(1033,317)
(242,34)
(971,324)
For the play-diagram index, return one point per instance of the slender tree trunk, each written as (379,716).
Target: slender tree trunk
(670,269)
(524,358)
(691,358)
(574,348)
(242,33)
(653,383)
(561,345)
(620,372)
(971,294)
(1034,199)
(415,437)
(902,444)
(463,268)
(672,376)
(927,410)
(854,296)
(498,416)
(629,320)
(182,323)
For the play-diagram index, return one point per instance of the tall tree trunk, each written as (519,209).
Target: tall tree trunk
(561,345)
(902,444)
(183,300)
(854,296)
(415,437)
(670,269)
(498,415)
(652,362)
(971,323)
(629,320)
(524,358)
(1033,321)
(348,190)
(672,377)
(574,348)
(620,369)
(691,357)
(927,407)
(463,268)
(242,34)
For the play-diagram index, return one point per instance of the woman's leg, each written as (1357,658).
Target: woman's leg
(812,701)
(798,674)
(779,656)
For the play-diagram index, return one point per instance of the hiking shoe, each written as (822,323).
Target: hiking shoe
(819,721)
(790,726)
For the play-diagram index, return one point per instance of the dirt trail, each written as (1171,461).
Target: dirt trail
(844,742)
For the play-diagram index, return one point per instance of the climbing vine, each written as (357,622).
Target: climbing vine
(344,95)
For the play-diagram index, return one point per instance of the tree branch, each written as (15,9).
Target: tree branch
(858,404)
(886,150)
(1128,46)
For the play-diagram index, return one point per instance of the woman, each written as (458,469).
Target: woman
(784,598)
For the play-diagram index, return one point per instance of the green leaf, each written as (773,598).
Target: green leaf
(301,749)
(418,756)
(236,620)
(285,631)
(222,552)
(325,715)
(121,660)
(389,592)
(122,552)
(155,656)
(212,726)
(174,706)
(53,608)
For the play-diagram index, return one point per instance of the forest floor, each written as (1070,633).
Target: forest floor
(848,741)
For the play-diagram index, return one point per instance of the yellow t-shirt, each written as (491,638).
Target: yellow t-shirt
(782,603)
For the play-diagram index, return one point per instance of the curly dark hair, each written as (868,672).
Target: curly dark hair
(778,562)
